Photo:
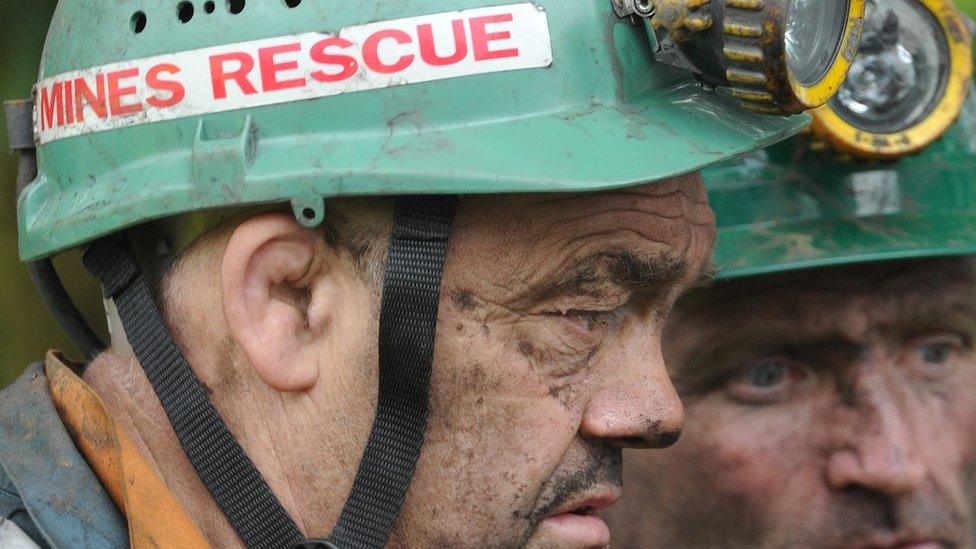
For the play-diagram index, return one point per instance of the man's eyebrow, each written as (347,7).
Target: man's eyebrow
(625,269)
(925,316)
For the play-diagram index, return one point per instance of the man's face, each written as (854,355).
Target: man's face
(548,361)
(832,408)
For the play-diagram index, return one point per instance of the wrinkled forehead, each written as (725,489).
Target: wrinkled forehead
(534,233)
(827,301)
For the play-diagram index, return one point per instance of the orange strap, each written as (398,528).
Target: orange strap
(155,517)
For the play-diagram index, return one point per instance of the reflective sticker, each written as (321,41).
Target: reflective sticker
(292,68)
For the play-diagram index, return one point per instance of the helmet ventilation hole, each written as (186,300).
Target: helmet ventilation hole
(184,10)
(209,6)
(292,3)
(138,22)
(235,6)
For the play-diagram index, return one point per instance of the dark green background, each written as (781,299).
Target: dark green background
(26,328)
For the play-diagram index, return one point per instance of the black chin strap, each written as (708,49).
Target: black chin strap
(408,320)
(235,484)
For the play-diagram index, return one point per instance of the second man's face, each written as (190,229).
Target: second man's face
(832,408)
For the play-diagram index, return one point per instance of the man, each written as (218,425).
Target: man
(302,392)
(829,378)
(826,408)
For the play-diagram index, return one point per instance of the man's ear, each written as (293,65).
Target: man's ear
(276,304)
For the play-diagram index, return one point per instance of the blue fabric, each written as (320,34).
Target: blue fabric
(12,508)
(46,486)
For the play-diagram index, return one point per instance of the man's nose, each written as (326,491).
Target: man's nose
(641,410)
(881,453)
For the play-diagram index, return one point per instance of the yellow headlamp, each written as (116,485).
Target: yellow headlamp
(907,84)
(777,56)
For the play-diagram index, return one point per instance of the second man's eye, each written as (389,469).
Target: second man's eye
(768,373)
(766,380)
(936,353)
(933,357)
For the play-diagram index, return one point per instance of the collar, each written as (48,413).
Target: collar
(43,476)
(155,517)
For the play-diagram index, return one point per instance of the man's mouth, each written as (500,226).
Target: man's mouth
(576,522)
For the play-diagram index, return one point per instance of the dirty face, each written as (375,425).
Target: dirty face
(832,408)
(548,362)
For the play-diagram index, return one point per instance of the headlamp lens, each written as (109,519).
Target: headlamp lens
(900,72)
(815,33)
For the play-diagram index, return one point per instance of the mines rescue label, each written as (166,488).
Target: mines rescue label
(292,68)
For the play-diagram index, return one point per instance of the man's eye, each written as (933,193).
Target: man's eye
(768,374)
(766,380)
(591,321)
(936,353)
(932,356)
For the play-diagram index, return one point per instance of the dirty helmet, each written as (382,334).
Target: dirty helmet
(151,120)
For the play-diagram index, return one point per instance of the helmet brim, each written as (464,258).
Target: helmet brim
(587,148)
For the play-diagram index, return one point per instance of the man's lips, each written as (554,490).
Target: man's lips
(575,522)
(593,500)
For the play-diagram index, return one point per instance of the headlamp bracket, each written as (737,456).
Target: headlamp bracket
(639,8)
(669,52)
(742,45)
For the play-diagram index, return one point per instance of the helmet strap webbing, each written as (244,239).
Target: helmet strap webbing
(235,484)
(408,320)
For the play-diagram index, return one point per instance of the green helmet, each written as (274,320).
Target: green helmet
(146,113)
(168,107)
(839,194)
